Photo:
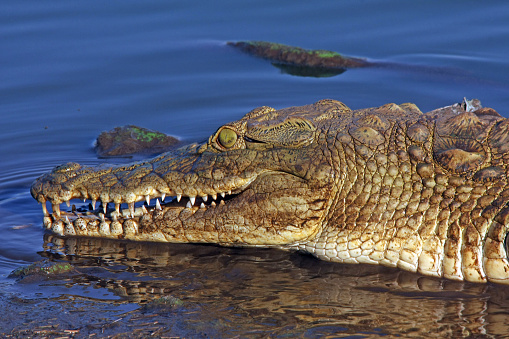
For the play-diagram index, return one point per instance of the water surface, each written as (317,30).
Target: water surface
(70,70)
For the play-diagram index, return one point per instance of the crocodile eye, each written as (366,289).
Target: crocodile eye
(227,137)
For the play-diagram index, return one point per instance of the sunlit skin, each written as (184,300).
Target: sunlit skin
(389,185)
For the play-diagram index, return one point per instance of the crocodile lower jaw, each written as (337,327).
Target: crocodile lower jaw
(117,222)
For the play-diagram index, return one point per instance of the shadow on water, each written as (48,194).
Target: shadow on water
(121,288)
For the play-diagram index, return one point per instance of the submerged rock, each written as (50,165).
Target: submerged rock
(43,268)
(167,302)
(130,139)
(300,61)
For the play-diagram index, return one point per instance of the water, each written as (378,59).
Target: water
(69,70)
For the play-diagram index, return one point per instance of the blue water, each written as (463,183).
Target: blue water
(69,70)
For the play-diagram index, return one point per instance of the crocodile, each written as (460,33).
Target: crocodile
(389,185)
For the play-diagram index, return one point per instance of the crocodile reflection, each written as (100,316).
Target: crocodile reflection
(272,292)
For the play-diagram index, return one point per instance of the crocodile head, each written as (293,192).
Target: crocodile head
(266,179)
(387,185)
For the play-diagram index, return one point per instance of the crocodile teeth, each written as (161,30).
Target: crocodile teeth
(44,209)
(163,196)
(105,207)
(230,192)
(179,196)
(117,208)
(205,198)
(147,199)
(192,200)
(143,209)
(202,205)
(68,203)
(56,209)
(158,205)
(213,204)
(67,221)
(189,205)
(93,204)
(131,208)
(223,194)
(214,196)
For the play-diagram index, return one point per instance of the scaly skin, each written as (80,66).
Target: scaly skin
(424,192)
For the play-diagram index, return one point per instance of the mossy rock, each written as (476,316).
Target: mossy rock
(300,61)
(130,139)
(44,268)
(167,303)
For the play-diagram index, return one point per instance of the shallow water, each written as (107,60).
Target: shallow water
(71,70)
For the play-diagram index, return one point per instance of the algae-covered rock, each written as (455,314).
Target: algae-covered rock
(300,61)
(167,302)
(128,140)
(43,268)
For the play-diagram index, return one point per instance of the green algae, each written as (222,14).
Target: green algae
(164,303)
(327,54)
(294,50)
(145,135)
(45,268)
(169,301)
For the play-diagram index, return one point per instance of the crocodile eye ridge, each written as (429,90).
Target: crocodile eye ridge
(227,137)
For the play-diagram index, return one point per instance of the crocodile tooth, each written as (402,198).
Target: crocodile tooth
(68,203)
(214,196)
(222,202)
(93,204)
(163,196)
(67,221)
(104,228)
(56,209)
(189,205)
(105,207)
(192,200)
(213,204)
(117,208)
(69,229)
(84,200)
(143,209)
(158,205)
(147,199)
(205,198)
(58,227)
(202,205)
(44,209)
(101,216)
(230,192)
(131,208)
(223,194)
(179,196)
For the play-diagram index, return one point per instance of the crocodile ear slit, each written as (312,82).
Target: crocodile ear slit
(292,132)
